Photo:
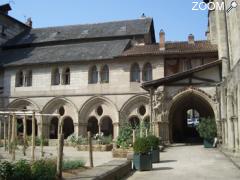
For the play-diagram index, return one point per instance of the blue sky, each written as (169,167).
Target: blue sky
(174,16)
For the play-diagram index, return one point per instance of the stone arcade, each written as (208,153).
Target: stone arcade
(99,76)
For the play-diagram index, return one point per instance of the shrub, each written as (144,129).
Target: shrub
(37,141)
(124,139)
(141,146)
(6,170)
(153,141)
(21,170)
(106,140)
(74,140)
(74,164)
(44,170)
(207,128)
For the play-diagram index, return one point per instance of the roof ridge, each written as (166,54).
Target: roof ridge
(87,24)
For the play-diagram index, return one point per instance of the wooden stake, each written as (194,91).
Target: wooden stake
(0,130)
(60,155)
(41,119)
(134,136)
(90,149)
(5,134)
(13,137)
(9,133)
(33,136)
(24,135)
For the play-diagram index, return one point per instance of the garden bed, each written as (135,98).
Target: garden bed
(96,147)
(121,153)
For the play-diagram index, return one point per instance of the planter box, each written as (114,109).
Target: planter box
(98,147)
(155,156)
(208,143)
(142,162)
(121,153)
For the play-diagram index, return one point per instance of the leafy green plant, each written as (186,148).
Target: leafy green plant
(124,139)
(73,164)
(207,128)
(44,170)
(76,140)
(106,140)
(153,141)
(37,141)
(141,146)
(6,170)
(21,170)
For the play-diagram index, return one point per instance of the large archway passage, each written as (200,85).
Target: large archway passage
(184,115)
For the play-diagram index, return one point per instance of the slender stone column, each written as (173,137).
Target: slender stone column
(5,133)
(115,130)
(33,136)
(235,126)
(1,130)
(76,128)
(151,110)
(9,133)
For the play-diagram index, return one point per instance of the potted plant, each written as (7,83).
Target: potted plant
(154,144)
(208,131)
(142,159)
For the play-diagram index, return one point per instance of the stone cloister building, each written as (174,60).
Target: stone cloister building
(100,76)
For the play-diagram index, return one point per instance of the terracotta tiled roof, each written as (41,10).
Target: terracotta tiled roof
(171,48)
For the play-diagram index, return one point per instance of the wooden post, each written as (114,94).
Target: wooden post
(60,155)
(24,134)
(1,130)
(33,136)
(41,119)
(151,110)
(134,136)
(13,137)
(5,134)
(9,133)
(90,149)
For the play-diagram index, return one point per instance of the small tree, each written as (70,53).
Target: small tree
(124,139)
(207,128)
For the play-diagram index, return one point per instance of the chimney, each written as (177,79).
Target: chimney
(29,22)
(5,8)
(191,39)
(162,40)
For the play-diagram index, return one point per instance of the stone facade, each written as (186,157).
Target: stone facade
(60,71)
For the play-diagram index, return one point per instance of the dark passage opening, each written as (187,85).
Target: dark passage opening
(184,117)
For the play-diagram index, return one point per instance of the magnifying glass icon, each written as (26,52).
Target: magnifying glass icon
(233,5)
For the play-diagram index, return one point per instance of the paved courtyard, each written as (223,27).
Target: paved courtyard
(190,163)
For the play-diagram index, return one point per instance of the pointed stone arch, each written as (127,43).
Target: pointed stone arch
(90,109)
(191,98)
(64,107)
(131,108)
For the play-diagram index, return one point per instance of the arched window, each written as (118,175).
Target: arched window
(28,78)
(135,73)
(93,75)
(66,76)
(105,74)
(147,72)
(19,79)
(55,77)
